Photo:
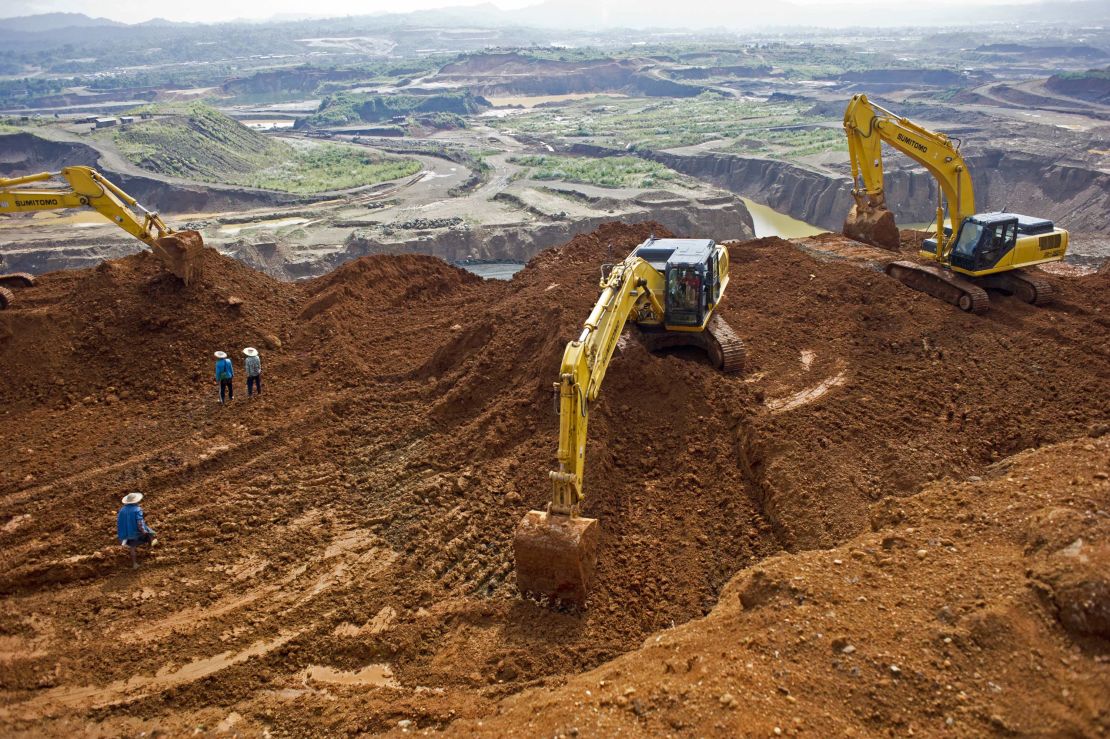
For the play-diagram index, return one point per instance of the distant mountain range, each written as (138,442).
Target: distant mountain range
(54,22)
(46,22)
(691,14)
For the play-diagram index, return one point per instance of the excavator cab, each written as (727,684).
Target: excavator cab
(691,271)
(983,241)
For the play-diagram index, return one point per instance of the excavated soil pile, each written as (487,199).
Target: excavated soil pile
(347,534)
(978,608)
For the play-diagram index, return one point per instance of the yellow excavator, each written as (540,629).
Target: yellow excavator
(979,251)
(181,252)
(671,289)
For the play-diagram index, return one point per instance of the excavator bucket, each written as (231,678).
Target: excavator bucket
(556,556)
(182,253)
(872,225)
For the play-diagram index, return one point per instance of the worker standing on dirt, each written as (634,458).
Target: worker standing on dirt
(253,365)
(131,527)
(224,374)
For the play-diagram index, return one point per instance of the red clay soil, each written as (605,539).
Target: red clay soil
(358,517)
(976,608)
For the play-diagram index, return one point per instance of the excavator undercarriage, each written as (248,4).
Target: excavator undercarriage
(720,343)
(10,280)
(970,293)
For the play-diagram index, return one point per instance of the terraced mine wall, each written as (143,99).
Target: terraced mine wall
(1076,197)
(721,218)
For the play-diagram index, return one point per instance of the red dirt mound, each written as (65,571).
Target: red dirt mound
(936,622)
(126,328)
(358,516)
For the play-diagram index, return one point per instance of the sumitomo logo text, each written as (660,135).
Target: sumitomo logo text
(40,201)
(907,140)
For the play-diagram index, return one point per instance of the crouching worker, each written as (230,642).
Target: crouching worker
(131,527)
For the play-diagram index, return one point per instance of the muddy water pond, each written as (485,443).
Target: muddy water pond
(494,270)
(770,222)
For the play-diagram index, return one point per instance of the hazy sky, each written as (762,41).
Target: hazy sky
(134,11)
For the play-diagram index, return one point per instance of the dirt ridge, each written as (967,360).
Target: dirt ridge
(359,514)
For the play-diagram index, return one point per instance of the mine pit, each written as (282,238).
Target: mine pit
(405,428)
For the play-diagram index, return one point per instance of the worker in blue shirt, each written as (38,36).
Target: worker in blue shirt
(224,373)
(131,527)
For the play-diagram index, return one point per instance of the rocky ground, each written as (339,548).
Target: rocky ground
(892,520)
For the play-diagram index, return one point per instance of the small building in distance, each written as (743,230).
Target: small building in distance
(105,122)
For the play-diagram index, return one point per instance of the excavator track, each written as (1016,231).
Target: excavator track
(17,279)
(724,348)
(6,297)
(941,283)
(729,349)
(1030,288)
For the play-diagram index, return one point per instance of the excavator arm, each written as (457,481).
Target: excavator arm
(868,126)
(555,549)
(585,361)
(179,251)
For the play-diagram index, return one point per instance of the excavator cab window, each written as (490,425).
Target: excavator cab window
(1003,237)
(981,245)
(971,233)
(685,296)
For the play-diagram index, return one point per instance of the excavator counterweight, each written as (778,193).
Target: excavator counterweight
(671,289)
(180,252)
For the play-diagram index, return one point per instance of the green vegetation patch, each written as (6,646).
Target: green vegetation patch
(655,123)
(792,142)
(322,167)
(604,172)
(347,108)
(1090,74)
(199,143)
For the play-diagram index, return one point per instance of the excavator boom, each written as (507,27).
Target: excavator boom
(556,549)
(180,252)
(671,289)
(868,127)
